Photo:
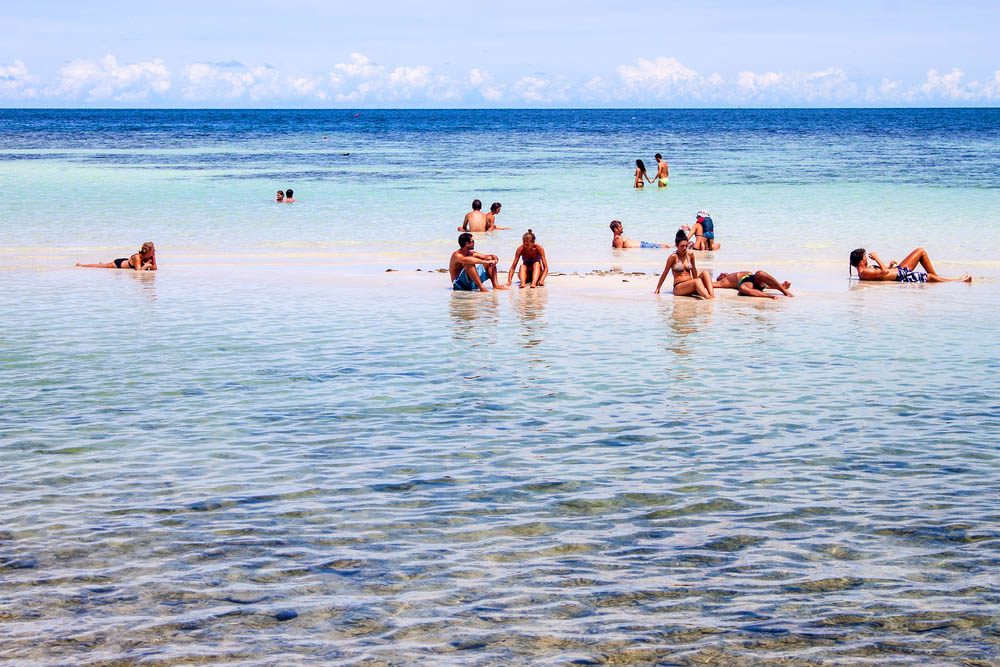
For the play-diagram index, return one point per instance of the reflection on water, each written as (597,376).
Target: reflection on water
(530,307)
(474,316)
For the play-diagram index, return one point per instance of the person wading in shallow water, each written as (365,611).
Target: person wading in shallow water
(469,268)
(475,220)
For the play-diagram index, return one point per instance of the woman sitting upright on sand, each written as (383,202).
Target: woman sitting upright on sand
(688,281)
(903,272)
(144,260)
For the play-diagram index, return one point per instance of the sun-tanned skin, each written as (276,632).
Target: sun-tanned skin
(491,218)
(888,272)
(619,241)
(689,281)
(466,258)
(754,287)
(539,268)
(144,260)
(662,172)
(475,220)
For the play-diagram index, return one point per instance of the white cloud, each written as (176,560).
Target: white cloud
(829,85)
(108,80)
(361,80)
(16,82)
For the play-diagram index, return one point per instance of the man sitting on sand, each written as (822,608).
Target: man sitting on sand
(751,283)
(475,220)
(619,240)
(469,268)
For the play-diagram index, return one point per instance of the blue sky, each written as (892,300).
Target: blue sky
(717,53)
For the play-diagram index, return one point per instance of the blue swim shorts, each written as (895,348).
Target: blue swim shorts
(647,244)
(464,283)
(905,275)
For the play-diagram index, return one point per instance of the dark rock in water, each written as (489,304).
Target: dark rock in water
(286,615)
(389,270)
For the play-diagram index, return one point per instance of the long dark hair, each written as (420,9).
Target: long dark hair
(641,165)
(856,257)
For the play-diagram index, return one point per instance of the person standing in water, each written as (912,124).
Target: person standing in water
(640,175)
(475,220)
(491,217)
(688,281)
(144,260)
(469,269)
(534,265)
(903,272)
(662,171)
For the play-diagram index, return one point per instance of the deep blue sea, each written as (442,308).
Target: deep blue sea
(294,443)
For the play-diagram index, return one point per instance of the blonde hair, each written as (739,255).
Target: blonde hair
(146,247)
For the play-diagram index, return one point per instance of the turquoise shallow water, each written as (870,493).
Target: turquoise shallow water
(271,451)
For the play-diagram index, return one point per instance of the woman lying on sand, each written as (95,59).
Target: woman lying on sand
(903,272)
(144,260)
(751,283)
(688,281)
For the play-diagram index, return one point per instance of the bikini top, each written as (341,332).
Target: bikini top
(680,267)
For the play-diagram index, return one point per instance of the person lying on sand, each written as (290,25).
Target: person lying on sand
(903,272)
(143,260)
(469,268)
(619,240)
(534,265)
(751,283)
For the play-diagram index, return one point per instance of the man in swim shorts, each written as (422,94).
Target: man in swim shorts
(662,171)
(751,283)
(619,240)
(469,269)
(475,220)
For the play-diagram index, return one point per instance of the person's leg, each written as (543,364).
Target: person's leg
(918,256)
(748,289)
(934,278)
(536,273)
(523,275)
(716,245)
(472,270)
(491,271)
(686,287)
(706,280)
(766,279)
(105,265)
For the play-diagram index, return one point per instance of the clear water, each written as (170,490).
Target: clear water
(273,451)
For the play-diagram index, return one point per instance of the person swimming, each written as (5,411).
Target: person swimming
(619,241)
(902,272)
(143,260)
(534,264)
(280,196)
(640,175)
(688,281)
(288,196)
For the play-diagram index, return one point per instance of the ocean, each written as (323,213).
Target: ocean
(276,450)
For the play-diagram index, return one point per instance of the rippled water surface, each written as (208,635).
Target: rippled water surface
(272,452)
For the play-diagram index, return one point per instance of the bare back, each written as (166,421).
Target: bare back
(475,221)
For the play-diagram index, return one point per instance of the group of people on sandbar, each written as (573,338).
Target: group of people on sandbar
(469,269)
(701,236)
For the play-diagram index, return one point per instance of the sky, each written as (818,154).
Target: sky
(548,54)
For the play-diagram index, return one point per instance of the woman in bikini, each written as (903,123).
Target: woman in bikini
(702,234)
(144,260)
(688,281)
(903,272)
(534,265)
(640,174)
